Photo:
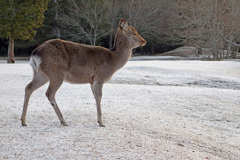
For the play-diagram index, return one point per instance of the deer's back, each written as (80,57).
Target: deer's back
(74,62)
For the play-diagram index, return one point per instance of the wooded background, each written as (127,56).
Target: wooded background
(165,24)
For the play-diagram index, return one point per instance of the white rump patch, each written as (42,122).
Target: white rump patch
(35,61)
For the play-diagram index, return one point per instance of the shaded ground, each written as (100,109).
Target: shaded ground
(152,110)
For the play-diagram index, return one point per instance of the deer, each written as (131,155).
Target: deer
(56,61)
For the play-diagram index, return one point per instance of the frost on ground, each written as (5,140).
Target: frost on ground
(151,109)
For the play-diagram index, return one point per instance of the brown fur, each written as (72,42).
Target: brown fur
(61,60)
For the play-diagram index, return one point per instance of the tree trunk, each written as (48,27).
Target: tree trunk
(112,22)
(141,50)
(234,54)
(229,48)
(95,38)
(238,51)
(152,49)
(198,51)
(11,50)
(56,28)
(216,51)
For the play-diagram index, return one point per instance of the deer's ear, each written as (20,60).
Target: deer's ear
(123,24)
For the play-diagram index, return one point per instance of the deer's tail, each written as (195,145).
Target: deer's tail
(35,61)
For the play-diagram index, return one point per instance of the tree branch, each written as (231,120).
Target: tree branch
(228,41)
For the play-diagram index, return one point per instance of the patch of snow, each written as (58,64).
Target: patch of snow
(154,58)
(151,109)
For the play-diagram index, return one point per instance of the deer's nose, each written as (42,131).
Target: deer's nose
(143,42)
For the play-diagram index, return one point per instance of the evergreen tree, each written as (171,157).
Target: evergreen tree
(19,20)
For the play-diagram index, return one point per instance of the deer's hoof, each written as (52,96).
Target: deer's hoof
(64,123)
(101,125)
(24,124)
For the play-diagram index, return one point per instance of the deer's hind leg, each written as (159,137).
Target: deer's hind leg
(39,80)
(52,89)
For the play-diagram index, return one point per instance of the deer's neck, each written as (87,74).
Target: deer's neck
(121,51)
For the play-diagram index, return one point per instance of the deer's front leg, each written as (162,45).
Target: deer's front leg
(97,92)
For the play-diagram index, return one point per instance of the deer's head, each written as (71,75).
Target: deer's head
(129,34)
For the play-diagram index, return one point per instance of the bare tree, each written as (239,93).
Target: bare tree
(112,23)
(231,28)
(150,17)
(85,20)
(145,15)
(204,23)
(56,27)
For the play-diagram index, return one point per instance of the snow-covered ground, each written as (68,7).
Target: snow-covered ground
(151,109)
